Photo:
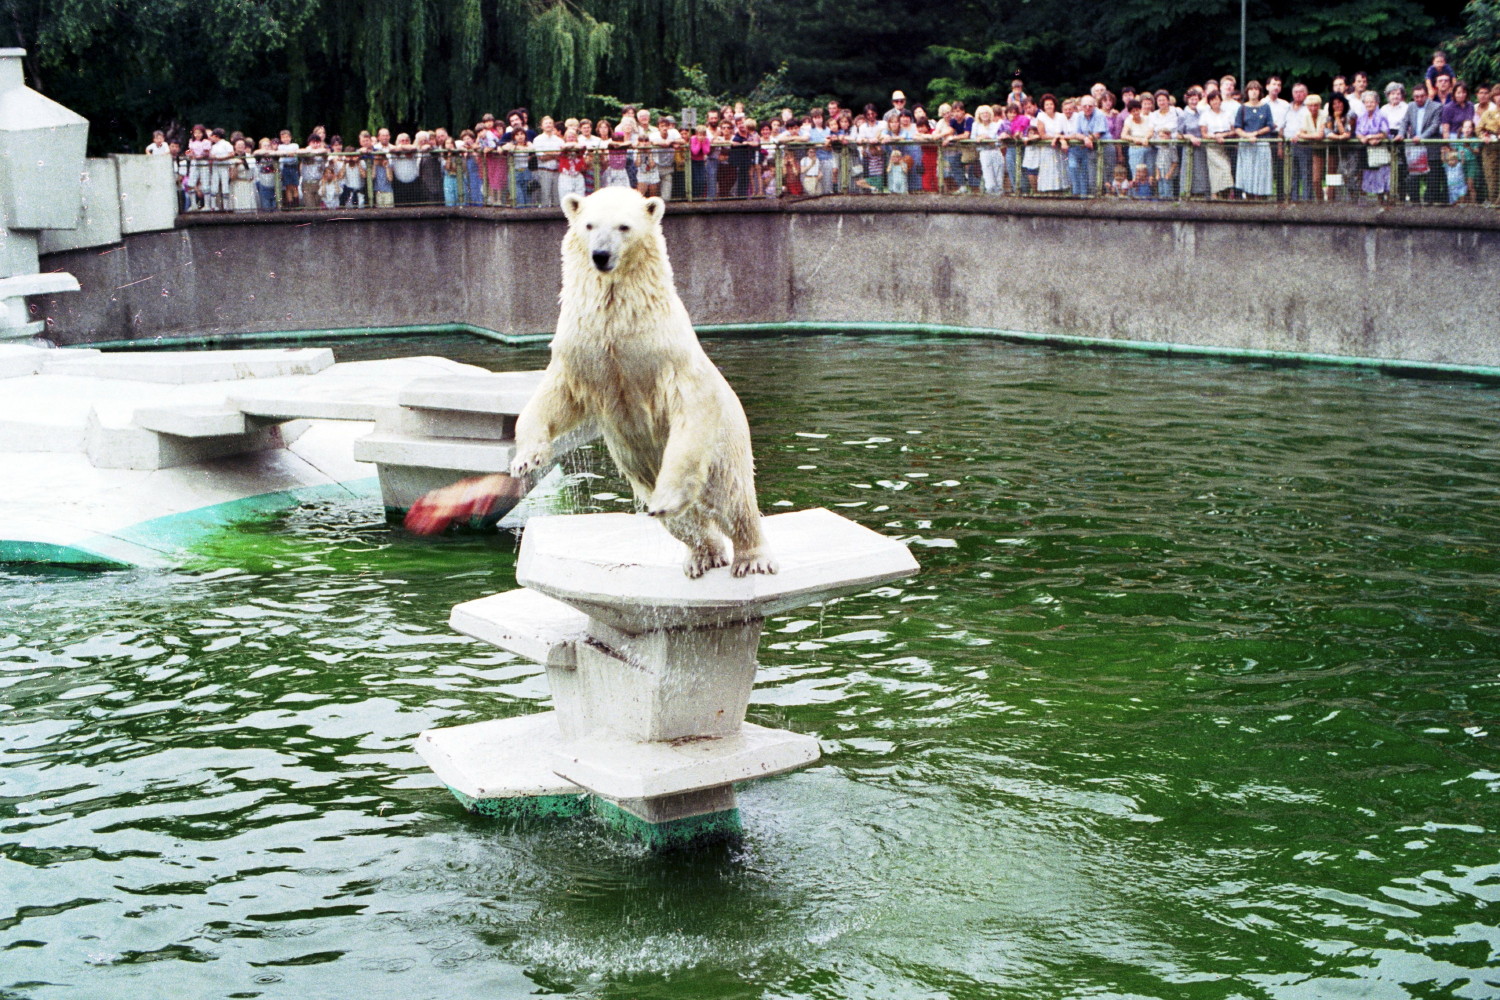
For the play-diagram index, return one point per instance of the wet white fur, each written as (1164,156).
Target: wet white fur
(626,359)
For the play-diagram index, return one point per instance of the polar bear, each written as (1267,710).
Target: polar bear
(626,362)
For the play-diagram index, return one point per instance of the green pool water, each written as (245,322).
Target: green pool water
(1197,696)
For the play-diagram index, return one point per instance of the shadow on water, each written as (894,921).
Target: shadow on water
(1195,696)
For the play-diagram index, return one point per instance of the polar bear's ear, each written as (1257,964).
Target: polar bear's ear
(571,203)
(655,208)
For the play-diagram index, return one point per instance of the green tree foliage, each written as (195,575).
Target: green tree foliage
(1067,45)
(260,65)
(1476,49)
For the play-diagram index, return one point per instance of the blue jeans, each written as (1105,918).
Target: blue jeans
(1081,170)
(523,186)
(711,178)
(1302,173)
(265,198)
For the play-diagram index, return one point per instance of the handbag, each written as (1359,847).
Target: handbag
(1377,157)
(1416,160)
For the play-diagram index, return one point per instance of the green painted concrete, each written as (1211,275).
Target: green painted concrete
(162,541)
(525,806)
(690,831)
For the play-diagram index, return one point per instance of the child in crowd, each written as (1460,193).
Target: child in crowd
(896,172)
(330,187)
(1120,186)
(570,166)
(812,172)
(1141,187)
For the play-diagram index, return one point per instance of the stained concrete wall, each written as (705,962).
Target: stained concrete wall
(1401,283)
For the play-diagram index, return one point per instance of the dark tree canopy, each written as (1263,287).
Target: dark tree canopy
(258,65)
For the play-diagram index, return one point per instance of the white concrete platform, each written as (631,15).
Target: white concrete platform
(625,570)
(618,768)
(495,392)
(190,367)
(192,421)
(104,450)
(531,625)
(469,455)
(498,759)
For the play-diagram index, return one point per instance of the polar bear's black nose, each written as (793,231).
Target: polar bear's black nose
(601,259)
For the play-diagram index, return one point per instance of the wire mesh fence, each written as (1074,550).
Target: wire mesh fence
(1372,169)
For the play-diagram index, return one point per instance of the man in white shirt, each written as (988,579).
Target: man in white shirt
(218,172)
(1299,118)
(548,145)
(665,139)
(1279,107)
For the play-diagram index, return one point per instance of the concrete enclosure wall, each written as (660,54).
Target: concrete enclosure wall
(1397,284)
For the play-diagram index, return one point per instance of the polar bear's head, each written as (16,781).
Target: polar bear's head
(610,223)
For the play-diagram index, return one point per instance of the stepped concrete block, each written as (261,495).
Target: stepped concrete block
(465,454)
(622,769)
(501,759)
(496,392)
(625,570)
(531,625)
(446,423)
(111,445)
(192,421)
(183,368)
(334,397)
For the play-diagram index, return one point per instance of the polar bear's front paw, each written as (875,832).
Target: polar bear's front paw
(753,562)
(700,561)
(529,461)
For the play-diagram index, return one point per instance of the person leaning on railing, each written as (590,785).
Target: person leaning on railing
(1420,132)
(1190,131)
(1488,130)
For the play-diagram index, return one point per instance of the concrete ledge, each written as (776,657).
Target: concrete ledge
(531,625)
(616,767)
(1280,275)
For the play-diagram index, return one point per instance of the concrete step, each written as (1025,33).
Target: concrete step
(496,760)
(531,625)
(496,392)
(192,421)
(185,367)
(447,423)
(617,767)
(331,398)
(115,443)
(462,454)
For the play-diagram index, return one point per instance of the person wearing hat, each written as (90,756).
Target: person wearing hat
(893,117)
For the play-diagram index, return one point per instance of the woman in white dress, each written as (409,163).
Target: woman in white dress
(1051,129)
(242,170)
(1218,126)
(987,129)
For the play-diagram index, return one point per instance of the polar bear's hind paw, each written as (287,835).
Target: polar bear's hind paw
(753,562)
(700,561)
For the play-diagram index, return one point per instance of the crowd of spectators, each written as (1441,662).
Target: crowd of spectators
(1434,142)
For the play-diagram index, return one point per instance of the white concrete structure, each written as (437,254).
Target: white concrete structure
(41,187)
(650,671)
(119,458)
(439,430)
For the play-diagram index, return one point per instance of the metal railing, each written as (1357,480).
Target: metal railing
(1430,172)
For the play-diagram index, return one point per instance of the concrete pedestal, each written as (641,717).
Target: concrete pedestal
(650,672)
